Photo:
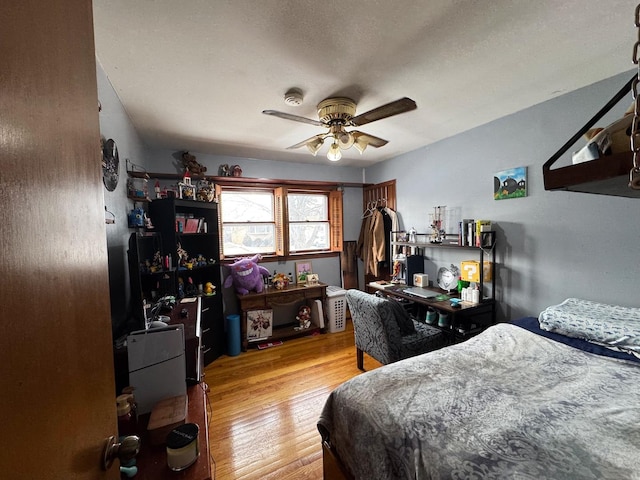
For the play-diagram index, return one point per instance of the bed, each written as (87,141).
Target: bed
(554,397)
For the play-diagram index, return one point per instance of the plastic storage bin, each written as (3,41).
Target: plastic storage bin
(336,308)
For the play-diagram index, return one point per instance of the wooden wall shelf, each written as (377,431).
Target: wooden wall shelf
(607,175)
(246,181)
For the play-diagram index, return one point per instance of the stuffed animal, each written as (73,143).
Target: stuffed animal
(246,275)
(304,317)
(189,162)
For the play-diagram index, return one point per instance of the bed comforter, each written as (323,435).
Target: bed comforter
(506,404)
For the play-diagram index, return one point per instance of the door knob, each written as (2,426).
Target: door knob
(125,451)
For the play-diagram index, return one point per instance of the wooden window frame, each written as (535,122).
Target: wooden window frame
(281,214)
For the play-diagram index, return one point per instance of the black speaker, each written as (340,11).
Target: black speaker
(415,264)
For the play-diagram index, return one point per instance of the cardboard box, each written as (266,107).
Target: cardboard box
(470,271)
(166,415)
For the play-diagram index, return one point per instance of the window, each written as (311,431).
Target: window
(279,220)
(248,222)
(308,221)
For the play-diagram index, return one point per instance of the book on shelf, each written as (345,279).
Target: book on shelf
(181,220)
(202,225)
(474,233)
(191,226)
(481,227)
(466,232)
(470,233)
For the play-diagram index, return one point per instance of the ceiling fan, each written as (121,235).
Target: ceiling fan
(336,113)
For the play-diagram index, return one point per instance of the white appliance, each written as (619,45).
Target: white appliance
(157,367)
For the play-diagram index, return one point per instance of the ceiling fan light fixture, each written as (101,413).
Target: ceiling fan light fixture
(361,144)
(315,145)
(334,153)
(345,140)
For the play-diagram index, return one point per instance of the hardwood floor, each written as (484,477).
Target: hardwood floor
(265,405)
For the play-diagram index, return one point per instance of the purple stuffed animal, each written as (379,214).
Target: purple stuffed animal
(246,275)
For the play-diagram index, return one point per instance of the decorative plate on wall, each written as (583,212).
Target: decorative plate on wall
(448,278)
(110,165)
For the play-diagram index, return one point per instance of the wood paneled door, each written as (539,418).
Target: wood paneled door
(56,356)
(374,196)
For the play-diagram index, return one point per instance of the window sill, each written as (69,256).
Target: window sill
(290,257)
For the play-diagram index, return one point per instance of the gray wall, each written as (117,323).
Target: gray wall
(552,245)
(115,124)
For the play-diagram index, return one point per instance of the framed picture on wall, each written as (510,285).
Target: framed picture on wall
(302,270)
(510,183)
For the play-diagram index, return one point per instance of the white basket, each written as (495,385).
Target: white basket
(336,309)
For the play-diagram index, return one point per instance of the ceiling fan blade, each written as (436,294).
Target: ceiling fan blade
(308,140)
(295,118)
(370,139)
(390,109)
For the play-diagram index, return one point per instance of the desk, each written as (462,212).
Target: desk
(466,321)
(152,461)
(271,297)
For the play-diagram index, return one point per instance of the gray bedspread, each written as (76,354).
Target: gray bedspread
(507,404)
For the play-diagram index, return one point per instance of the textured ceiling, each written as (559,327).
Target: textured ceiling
(195,75)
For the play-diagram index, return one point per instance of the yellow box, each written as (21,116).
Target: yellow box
(470,271)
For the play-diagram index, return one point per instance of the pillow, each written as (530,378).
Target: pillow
(402,317)
(611,326)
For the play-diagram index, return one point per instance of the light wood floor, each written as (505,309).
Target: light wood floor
(265,405)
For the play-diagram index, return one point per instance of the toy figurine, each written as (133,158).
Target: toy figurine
(190,164)
(224,170)
(280,281)
(183,257)
(304,317)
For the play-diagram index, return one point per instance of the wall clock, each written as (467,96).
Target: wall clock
(110,165)
(448,278)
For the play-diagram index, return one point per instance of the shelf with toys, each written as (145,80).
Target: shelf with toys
(194,261)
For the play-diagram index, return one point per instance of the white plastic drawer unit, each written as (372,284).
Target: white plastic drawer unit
(157,367)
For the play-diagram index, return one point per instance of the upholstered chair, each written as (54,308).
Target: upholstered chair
(384,330)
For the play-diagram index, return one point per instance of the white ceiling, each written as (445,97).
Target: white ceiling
(196,74)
